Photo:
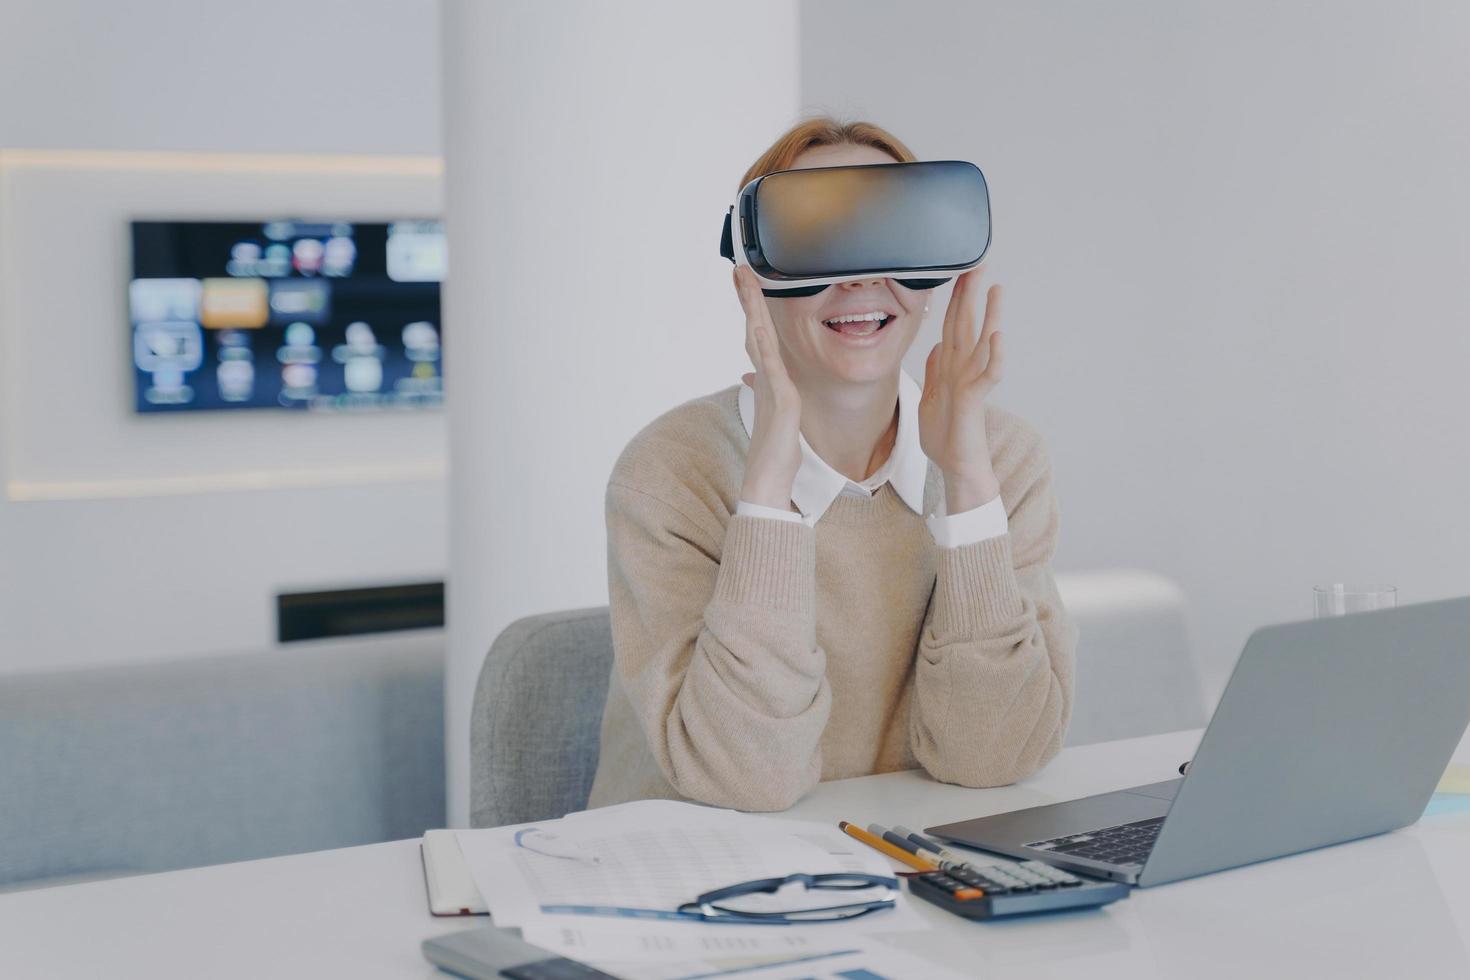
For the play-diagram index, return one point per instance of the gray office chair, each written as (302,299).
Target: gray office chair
(536,722)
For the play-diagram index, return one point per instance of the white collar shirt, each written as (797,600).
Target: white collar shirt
(817,484)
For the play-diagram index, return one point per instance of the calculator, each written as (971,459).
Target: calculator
(995,891)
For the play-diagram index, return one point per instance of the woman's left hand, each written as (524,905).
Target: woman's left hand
(959,374)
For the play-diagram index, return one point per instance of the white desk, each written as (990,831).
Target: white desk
(1396,905)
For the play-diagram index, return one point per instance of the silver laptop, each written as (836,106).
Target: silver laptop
(1328,731)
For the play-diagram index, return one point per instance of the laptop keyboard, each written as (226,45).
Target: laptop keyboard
(1127,843)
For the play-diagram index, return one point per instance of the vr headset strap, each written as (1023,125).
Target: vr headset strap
(727,241)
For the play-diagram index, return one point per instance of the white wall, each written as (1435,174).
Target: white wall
(591,151)
(328,76)
(1235,240)
(136,577)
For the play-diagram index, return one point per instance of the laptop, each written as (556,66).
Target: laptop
(1328,731)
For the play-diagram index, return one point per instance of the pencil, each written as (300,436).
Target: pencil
(878,844)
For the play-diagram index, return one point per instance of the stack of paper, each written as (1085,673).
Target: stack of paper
(865,960)
(602,886)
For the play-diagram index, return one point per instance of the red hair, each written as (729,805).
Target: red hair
(824,131)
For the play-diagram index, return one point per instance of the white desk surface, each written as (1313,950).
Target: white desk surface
(1393,905)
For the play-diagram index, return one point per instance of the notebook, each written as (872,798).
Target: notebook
(446,876)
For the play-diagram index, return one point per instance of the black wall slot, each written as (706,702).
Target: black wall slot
(349,612)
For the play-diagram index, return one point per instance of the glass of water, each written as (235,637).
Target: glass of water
(1339,599)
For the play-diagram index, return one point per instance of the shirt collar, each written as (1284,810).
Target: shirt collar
(818,484)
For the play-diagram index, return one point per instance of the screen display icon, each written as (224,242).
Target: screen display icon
(236,380)
(417,252)
(233,303)
(164,299)
(168,346)
(338,256)
(300,299)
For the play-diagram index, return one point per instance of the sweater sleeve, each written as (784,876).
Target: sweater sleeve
(993,679)
(716,649)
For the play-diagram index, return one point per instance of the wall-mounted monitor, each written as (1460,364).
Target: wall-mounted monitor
(304,315)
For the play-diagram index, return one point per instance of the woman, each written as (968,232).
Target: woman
(825,572)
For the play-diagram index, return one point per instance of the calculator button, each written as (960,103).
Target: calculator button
(980,881)
(1061,877)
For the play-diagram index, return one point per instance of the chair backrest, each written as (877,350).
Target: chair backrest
(535,728)
(536,722)
(1136,673)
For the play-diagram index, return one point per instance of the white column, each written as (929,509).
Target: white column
(591,149)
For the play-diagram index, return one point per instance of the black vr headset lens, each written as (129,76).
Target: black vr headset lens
(814,290)
(802,230)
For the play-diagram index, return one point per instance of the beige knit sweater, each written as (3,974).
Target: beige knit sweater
(755,657)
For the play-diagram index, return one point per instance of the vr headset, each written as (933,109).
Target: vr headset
(800,231)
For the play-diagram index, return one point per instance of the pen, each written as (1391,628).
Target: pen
(912,846)
(953,857)
(899,854)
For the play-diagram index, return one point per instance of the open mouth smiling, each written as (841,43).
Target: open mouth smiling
(863,324)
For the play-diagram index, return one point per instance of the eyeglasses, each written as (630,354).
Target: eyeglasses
(796,898)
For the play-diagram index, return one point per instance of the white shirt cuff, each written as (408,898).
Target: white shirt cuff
(761,510)
(977,524)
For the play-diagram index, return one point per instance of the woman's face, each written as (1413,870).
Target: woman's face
(815,344)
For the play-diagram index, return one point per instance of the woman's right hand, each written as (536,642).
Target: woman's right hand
(775,448)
